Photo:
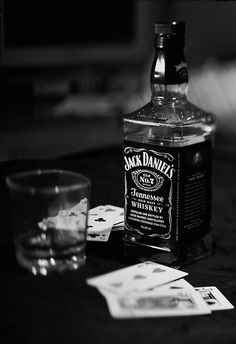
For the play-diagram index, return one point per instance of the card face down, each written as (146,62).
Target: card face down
(137,277)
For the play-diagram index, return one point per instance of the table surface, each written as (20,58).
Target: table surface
(62,308)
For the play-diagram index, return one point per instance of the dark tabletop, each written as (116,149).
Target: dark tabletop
(62,308)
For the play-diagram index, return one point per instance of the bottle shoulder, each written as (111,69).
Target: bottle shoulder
(171,112)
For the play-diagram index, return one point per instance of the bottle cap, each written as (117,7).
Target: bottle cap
(174,27)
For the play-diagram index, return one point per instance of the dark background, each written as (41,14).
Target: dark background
(71,69)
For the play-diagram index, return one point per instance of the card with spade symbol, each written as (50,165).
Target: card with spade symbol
(137,277)
(100,222)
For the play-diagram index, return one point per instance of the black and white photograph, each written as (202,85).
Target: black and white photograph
(117,171)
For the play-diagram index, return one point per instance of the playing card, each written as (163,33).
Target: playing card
(100,222)
(137,277)
(119,220)
(67,219)
(156,303)
(215,300)
(180,284)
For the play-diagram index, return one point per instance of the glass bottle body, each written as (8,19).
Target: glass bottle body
(167,154)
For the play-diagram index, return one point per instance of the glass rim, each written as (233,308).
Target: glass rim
(14,181)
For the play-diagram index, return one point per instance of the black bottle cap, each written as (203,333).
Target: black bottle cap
(174,27)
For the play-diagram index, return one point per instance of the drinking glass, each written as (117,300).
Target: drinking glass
(49,210)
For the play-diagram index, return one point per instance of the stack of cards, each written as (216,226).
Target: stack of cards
(149,289)
(102,220)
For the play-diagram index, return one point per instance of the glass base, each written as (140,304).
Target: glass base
(42,253)
(45,266)
(184,255)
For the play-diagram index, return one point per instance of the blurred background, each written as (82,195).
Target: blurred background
(70,70)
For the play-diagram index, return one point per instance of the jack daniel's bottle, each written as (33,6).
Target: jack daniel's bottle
(167,163)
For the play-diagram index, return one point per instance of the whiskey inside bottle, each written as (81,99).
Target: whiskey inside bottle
(167,155)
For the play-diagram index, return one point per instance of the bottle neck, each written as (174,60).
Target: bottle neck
(169,73)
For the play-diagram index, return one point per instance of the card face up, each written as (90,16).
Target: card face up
(138,277)
(147,289)
(178,285)
(101,221)
(215,300)
(157,303)
(150,289)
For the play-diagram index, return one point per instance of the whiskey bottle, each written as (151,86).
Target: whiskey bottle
(168,163)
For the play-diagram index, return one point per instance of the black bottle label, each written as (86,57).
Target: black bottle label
(176,71)
(169,68)
(167,191)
